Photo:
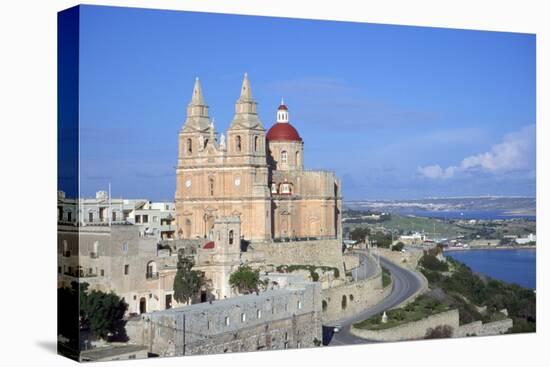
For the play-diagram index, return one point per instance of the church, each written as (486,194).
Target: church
(251,174)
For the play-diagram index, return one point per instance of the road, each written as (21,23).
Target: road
(405,284)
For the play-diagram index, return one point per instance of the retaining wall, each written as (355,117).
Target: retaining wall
(412,330)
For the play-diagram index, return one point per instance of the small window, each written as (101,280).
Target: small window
(125,247)
(208,324)
(299,305)
(226,321)
(126,269)
(284,156)
(145,218)
(59,269)
(138,218)
(231,237)
(90,217)
(259,314)
(102,272)
(243,317)
(211,186)
(238,143)
(189,146)
(256,143)
(113,217)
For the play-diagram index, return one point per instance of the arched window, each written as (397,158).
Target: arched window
(238,144)
(66,248)
(231,237)
(188,228)
(297,157)
(284,156)
(189,146)
(256,143)
(95,250)
(151,271)
(211,185)
(285,188)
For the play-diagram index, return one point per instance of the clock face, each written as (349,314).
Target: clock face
(238,181)
(188,183)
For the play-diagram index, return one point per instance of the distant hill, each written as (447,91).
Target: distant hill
(497,204)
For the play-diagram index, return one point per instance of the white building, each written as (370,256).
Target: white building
(525,240)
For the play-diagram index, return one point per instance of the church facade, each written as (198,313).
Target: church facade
(253,174)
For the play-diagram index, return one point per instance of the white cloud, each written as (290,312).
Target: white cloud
(515,153)
(435,171)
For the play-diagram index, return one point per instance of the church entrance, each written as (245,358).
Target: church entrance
(142,305)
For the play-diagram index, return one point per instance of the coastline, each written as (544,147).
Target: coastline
(500,248)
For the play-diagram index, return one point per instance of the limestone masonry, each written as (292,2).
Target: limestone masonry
(252,174)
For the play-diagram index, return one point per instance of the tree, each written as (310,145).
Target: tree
(398,246)
(81,312)
(104,314)
(381,239)
(245,280)
(358,234)
(187,282)
(68,313)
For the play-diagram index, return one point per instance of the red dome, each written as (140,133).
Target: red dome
(283,131)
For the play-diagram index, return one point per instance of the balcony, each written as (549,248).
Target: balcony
(80,274)
(152,275)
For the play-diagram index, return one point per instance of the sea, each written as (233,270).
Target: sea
(467,214)
(509,265)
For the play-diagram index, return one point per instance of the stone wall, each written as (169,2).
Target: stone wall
(412,330)
(349,299)
(471,329)
(351,261)
(316,252)
(408,259)
(477,328)
(278,319)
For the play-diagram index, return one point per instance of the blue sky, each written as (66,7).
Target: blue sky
(398,112)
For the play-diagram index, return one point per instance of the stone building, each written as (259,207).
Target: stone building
(256,175)
(118,258)
(283,318)
(154,219)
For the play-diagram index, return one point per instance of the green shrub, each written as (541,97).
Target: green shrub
(398,246)
(431,262)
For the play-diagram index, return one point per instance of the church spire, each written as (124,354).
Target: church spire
(197,110)
(246,90)
(197,98)
(246,115)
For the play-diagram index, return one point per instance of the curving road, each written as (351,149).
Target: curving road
(405,284)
